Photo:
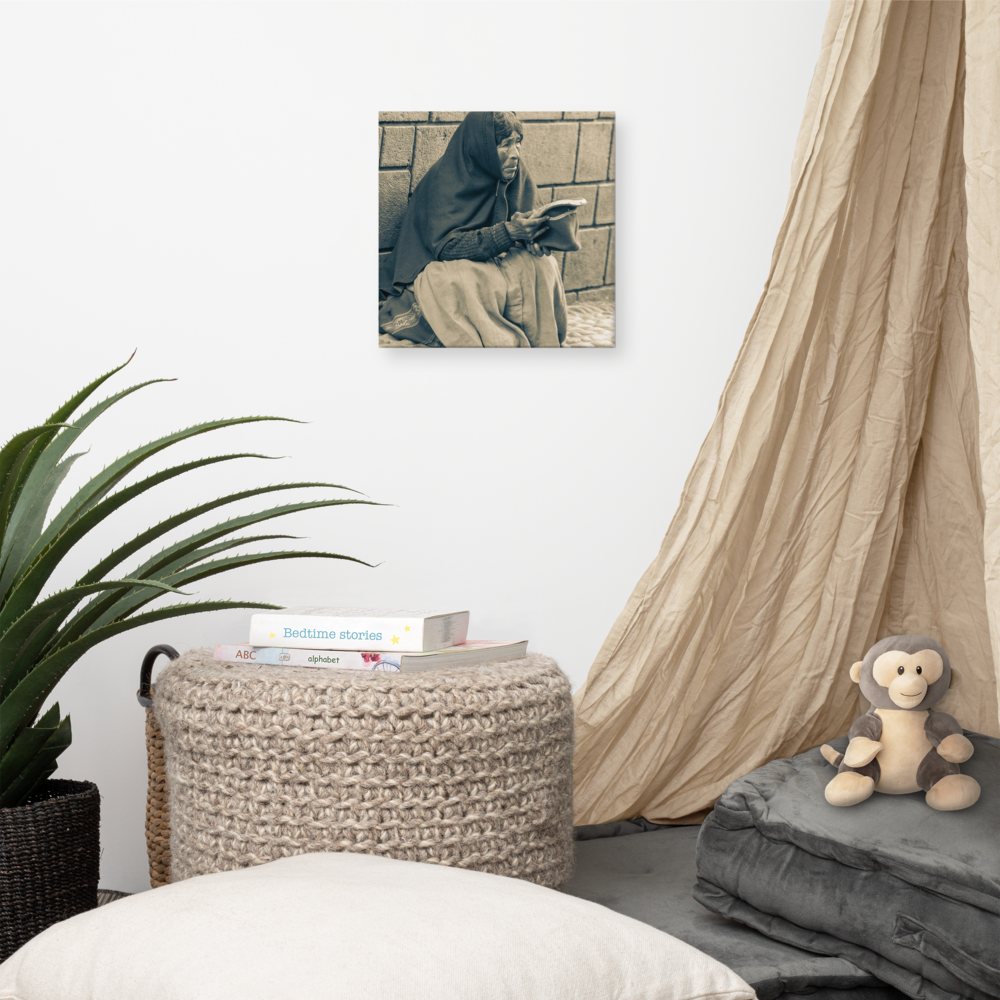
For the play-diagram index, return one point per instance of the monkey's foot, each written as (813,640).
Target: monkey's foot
(956,748)
(830,755)
(849,788)
(953,791)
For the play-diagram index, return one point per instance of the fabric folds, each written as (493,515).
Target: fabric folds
(909,894)
(849,487)
(982,187)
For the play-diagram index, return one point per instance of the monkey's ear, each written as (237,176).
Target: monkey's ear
(856,671)
(956,679)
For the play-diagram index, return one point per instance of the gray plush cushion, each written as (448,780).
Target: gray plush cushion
(909,894)
(647,872)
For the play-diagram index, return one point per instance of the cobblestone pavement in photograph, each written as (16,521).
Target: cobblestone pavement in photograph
(591,324)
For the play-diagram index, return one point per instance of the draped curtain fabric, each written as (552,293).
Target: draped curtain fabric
(849,487)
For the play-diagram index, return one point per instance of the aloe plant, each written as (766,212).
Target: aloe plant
(40,639)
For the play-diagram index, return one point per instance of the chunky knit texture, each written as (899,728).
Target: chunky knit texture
(470,767)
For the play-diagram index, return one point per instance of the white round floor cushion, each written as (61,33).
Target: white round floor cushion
(359,927)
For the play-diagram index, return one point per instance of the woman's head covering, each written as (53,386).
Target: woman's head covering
(505,124)
(458,194)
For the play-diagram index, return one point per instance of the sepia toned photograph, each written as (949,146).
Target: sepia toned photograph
(496,229)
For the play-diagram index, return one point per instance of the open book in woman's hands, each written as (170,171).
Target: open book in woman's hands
(563,224)
(557,209)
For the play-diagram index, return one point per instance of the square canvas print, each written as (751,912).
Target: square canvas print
(496,229)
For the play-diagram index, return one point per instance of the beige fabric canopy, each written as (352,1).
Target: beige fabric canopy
(849,488)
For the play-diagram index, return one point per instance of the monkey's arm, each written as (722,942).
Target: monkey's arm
(864,745)
(946,734)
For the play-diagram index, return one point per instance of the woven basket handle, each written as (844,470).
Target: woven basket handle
(145,693)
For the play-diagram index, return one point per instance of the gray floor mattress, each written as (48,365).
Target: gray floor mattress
(648,872)
(906,893)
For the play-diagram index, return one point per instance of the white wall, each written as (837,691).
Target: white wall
(198,181)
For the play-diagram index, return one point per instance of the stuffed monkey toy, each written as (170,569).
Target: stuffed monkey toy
(900,744)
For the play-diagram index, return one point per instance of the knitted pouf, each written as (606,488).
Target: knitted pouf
(467,766)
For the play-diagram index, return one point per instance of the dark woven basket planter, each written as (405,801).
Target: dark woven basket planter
(49,860)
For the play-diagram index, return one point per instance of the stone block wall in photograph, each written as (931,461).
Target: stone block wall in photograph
(571,154)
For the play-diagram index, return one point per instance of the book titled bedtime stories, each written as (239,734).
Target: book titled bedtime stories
(359,629)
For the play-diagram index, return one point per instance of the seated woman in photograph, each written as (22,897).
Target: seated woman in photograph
(466,250)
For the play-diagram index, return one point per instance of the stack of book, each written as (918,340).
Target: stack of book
(366,639)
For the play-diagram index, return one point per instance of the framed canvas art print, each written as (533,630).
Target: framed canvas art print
(496,229)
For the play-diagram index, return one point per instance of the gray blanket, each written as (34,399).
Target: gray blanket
(906,893)
(647,872)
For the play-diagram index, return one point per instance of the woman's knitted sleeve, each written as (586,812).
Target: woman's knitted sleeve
(480,244)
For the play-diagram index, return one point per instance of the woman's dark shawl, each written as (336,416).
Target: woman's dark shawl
(457,195)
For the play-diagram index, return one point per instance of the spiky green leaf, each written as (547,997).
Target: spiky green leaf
(24,749)
(93,611)
(30,584)
(137,597)
(31,528)
(179,554)
(119,555)
(44,560)
(37,767)
(106,480)
(23,638)
(19,708)
(41,639)
(19,444)
(13,479)
(34,483)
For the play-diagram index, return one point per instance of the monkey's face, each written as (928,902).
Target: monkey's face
(909,672)
(907,676)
